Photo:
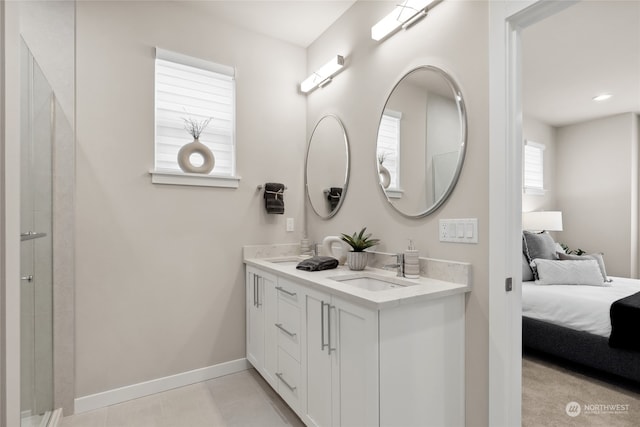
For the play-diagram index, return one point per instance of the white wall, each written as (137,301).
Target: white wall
(159,273)
(594,185)
(453,36)
(537,131)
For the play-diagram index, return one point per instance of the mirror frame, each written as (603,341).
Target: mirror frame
(463,139)
(347,172)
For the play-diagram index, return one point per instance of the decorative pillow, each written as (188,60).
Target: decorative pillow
(527,274)
(571,272)
(597,256)
(538,245)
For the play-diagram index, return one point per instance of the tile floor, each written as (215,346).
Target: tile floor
(242,399)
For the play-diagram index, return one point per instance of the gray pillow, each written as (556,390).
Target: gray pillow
(539,245)
(597,256)
(527,274)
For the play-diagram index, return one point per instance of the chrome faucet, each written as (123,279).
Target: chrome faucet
(399,265)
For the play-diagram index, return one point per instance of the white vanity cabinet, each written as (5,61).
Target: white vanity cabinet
(341,362)
(343,358)
(262,350)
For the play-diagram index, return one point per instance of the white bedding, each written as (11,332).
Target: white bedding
(584,308)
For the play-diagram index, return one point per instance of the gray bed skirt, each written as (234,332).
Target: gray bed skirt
(583,348)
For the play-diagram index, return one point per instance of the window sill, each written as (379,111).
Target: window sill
(194,179)
(530,191)
(394,193)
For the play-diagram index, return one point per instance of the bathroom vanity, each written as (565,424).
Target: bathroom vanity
(346,348)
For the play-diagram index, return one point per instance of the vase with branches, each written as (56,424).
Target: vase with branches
(195,128)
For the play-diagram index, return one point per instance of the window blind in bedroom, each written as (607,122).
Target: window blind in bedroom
(533,168)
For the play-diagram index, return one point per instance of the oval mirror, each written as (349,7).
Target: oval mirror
(421,141)
(327,166)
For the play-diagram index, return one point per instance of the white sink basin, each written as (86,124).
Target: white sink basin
(372,282)
(291,260)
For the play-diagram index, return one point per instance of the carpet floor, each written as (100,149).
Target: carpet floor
(553,395)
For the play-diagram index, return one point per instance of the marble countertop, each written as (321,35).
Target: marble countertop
(421,289)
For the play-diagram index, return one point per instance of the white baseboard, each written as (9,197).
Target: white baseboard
(56,417)
(134,391)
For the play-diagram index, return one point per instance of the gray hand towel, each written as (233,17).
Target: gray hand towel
(318,263)
(274,197)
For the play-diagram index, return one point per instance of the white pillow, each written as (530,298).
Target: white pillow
(570,272)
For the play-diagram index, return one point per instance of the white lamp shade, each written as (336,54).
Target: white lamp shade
(539,221)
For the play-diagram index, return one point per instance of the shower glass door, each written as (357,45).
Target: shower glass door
(36,253)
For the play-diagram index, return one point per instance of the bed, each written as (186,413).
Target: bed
(574,322)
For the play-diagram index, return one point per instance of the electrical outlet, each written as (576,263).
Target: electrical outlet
(290,224)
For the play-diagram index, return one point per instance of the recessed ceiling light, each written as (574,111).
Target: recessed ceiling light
(602,97)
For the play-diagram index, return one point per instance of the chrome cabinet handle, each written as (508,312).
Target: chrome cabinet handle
(281,289)
(254,290)
(322,344)
(329,307)
(28,278)
(279,375)
(279,326)
(259,304)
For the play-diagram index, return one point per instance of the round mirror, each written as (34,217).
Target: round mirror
(421,141)
(327,166)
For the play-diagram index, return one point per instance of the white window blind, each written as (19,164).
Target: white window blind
(187,87)
(389,145)
(533,170)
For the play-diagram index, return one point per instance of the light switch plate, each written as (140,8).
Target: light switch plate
(290,224)
(459,230)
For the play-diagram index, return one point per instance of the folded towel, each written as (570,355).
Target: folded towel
(318,263)
(334,195)
(274,198)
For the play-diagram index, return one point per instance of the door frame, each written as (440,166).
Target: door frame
(10,215)
(507,19)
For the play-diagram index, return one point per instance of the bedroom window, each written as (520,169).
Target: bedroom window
(389,149)
(533,168)
(194,89)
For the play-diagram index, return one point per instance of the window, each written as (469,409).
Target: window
(533,170)
(187,87)
(389,148)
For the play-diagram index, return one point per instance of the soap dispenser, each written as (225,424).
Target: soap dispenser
(411,262)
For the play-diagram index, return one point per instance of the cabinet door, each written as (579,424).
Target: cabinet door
(262,339)
(354,359)
(317,360)
(255,320)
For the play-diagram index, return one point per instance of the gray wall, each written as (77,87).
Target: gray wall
(159,273)
(596,170)
(453,36)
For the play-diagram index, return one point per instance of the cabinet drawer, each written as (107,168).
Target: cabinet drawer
(288,326)
(288,291)
(288,379)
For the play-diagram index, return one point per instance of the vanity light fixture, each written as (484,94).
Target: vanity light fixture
(404,15)
(323,76)
(602,97)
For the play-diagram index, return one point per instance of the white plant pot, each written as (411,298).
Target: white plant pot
(357,260)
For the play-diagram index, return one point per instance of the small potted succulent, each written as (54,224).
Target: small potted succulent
(357,258)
